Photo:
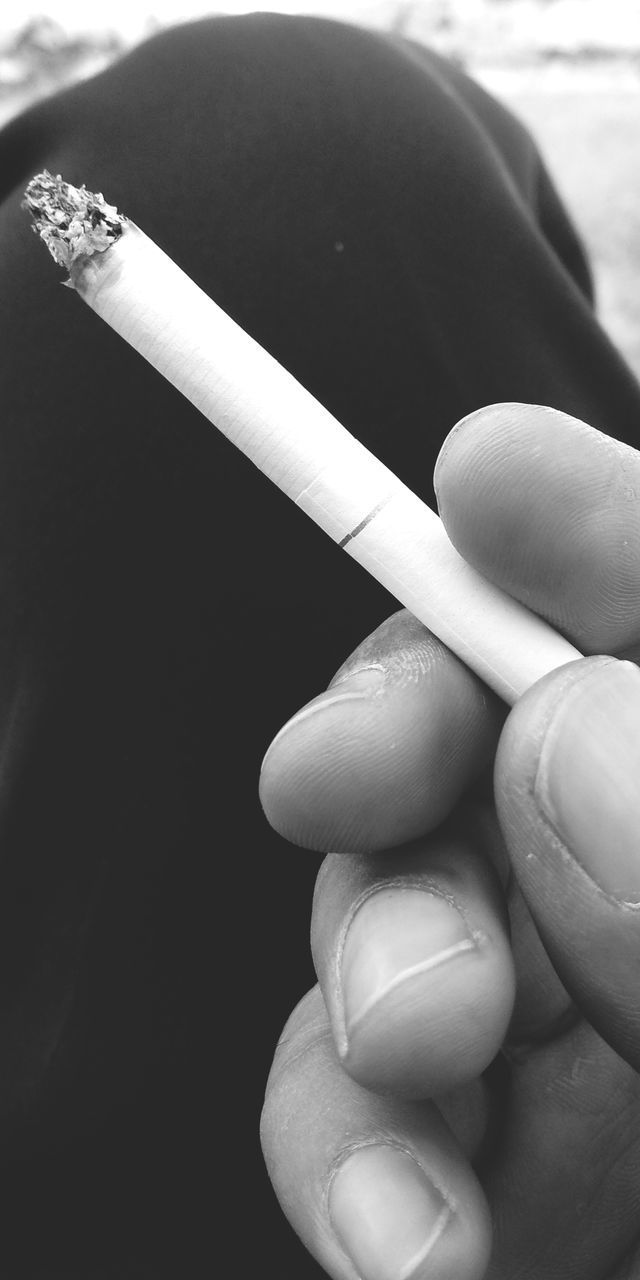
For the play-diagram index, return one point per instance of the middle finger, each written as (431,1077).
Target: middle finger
(413,958)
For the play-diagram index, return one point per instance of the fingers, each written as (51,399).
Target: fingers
(548,508)
(386,752)
(414,963)
(376,1188)
(568,798)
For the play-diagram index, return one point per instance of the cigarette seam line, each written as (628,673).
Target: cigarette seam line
(367,519)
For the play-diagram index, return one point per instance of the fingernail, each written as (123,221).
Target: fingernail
(352,687)
(588,778)
(396,936)
(386,1212)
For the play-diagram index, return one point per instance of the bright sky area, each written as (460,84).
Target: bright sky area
(132,15)
(601,21)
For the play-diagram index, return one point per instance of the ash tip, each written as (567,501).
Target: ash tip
(72,221)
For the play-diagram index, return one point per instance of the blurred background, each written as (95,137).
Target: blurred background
(569,68)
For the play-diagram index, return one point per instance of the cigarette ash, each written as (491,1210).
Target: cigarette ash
(72,221)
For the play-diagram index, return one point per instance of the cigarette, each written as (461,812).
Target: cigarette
(141,293)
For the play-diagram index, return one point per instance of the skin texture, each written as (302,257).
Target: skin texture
(482,973)
(390,234)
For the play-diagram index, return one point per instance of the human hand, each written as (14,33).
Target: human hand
(458,1097)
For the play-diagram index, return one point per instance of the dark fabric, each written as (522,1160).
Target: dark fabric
(390,234)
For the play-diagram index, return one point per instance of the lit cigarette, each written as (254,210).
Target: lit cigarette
(246,394)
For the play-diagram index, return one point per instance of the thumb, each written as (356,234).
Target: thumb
(568,797)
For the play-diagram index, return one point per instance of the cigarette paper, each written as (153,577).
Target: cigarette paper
(142,294)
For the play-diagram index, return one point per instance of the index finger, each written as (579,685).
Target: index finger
(384,755)
(548,508)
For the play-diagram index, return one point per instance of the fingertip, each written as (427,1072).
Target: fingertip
(395,1222)
(427,998)
(545,506)
(586,784)
(322,768)
(376,1188)
(568,802)
(384,754)
(518,752)
(468,433)
(413,958)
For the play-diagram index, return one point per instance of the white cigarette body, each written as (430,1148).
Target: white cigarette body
(142,294)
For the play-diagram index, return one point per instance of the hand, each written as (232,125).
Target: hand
(458,1097)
